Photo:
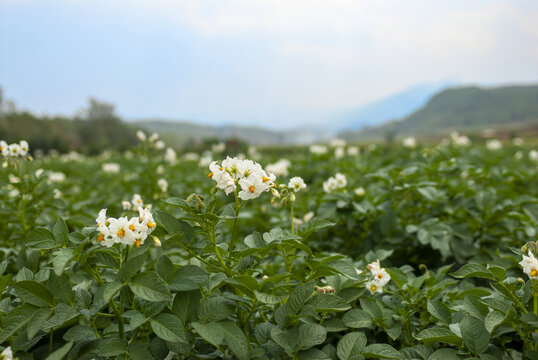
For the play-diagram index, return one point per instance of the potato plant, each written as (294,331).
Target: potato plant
(432,259)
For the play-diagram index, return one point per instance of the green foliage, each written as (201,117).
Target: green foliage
(449,243)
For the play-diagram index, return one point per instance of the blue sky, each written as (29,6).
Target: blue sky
(275,63)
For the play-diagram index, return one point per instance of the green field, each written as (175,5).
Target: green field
(390,252)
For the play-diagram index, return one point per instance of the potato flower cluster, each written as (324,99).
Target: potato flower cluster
(381,278)
(339,181)
(247,174)
(530,265)
(19,149)
(123,230)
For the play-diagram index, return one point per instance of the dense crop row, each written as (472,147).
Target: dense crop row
(383,252)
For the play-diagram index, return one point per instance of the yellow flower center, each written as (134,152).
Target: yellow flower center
(137,243)
(131,227)
(121,232)
(101,237)
(374,288)
(210,175)
(265,178)
(151,225)
(534,272)
(380,276)
(251,188)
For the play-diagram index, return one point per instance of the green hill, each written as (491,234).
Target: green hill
(464,109)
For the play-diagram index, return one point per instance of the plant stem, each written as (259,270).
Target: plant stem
(234,228)
(535,286)
(291,211)
(51,341)
(514,297)
(217,252)
(120,319)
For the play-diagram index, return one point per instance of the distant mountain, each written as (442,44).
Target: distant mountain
(464,108)
(181,131)
(392,107)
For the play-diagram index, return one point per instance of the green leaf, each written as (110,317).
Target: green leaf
(215,309)
(434,334)
(328,303)
(344,268)
(110,347)
(498,271)
(444,354)
(60,260)
(185,305)
(440,311)
(372,308)
(473,270)
(357,318)
(475,336)
(165,268)
(210,332)
(131,267)
(42,239)
(188,277)
(235,339)
(493,319)
(111,290)
(382,351)
(60,353)
(34,293)
(149,286)
(350,346)
(37,322)
(60,232)
(310,335)
(61,288)
(174,226)
(285,339)
(16,319)
(298,297)
(79,333)
(269,298)
(167,327)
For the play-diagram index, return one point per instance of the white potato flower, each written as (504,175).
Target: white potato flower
(280,168)
(137,201)
(353,150)
(336,142)
(141,135)
(339,152)
(126,205)
(296,183)
(56,176)
(111,168)
(409,142)
(533,155)
(530,265)
(249,175)
(14,150)
(339,181)
(163,185)
(153,137)
(7,354)
(374,286)
(494,144)
(170,156)
(159,145)
(318,149)
(360,191)
(124,231)
(24,147)
(4,148)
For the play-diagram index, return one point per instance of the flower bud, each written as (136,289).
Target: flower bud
(275,193)
(156,241)
(292,197)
